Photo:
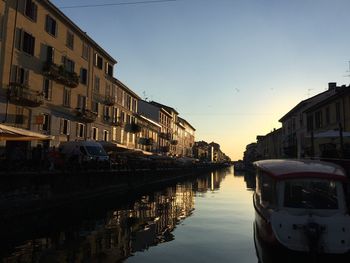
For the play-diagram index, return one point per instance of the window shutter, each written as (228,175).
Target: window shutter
(22,6)
(26,77)
(35,12)
(14,74)
(68,127)
(18,38)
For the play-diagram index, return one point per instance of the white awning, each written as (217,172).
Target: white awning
(9,133)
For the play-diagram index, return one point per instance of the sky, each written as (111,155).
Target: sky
(232,68)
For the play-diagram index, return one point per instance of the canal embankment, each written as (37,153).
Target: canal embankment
(24,193)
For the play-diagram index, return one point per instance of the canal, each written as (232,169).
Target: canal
(207,219)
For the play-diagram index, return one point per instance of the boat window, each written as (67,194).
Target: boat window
(320,194)
(266,190)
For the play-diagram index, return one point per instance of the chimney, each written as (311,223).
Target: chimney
(332,85)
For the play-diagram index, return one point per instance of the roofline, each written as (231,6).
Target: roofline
(122,85)
(164,106)
(77,28)
(299,105)
(342,91)
(187,123)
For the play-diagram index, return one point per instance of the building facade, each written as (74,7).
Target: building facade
(56,80)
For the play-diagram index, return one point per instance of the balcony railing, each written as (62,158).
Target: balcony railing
(85,115)
(117,122)
(174,142)
(132,127)
(104,99)
(59,74)
(164,135)
(21,94)
(146,141)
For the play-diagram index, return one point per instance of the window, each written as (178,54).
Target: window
(105,135)
(70,40)
(47,89)
(68,64)
(108,89)
(31,10)
(83,76)
(19,75)
(120,96)
(81,102)
(19,117)
(80,130)
(97,84)
(134,105)
(109,69)
(85,51)
(24,41)
(46,122)
(310,123)
(318,119)
(316,194)
(122,116)
(98,61)
(266,190)
(337,112)
(51,26)
(94,106)
(328,116)
(50,53)
(106,116)
(94,133)
(64,126)
(66,97)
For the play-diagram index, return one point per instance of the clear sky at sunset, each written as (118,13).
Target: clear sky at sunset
(232,68)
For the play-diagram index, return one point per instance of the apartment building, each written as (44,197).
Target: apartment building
(56,80)
(294,124)
(123,119)
(161,116)
(328,126)
(187,138)
(148,138)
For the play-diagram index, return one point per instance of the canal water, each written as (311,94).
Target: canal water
(207,219)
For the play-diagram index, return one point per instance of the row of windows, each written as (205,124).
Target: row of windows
(321,118)
(65,127)
(30,10)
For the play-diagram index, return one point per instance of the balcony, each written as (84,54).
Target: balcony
(117,122)
(104,99)
(146,141)
(86,116)
(164,135)
(132,127)
(21,94)
(174,142)
(59,74)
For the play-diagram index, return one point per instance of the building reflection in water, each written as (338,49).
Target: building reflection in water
(143,223)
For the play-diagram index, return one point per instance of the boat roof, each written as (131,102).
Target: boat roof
(288,168)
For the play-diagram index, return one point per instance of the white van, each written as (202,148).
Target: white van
(88,151)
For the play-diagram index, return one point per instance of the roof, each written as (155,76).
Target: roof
(339,93)
(164,106)
(78,29)
(123,86)
(287,169)
(183,120)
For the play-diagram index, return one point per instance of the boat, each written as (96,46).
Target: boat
(300,206)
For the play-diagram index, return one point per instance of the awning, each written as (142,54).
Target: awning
(9,133)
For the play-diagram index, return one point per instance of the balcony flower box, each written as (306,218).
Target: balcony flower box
(59,74)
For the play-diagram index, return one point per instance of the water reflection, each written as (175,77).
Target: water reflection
(119,233)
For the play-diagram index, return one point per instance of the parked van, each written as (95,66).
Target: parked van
(84,152)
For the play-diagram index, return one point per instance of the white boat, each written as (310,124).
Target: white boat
(301,205)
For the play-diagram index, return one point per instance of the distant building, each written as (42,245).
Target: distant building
(269,146)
